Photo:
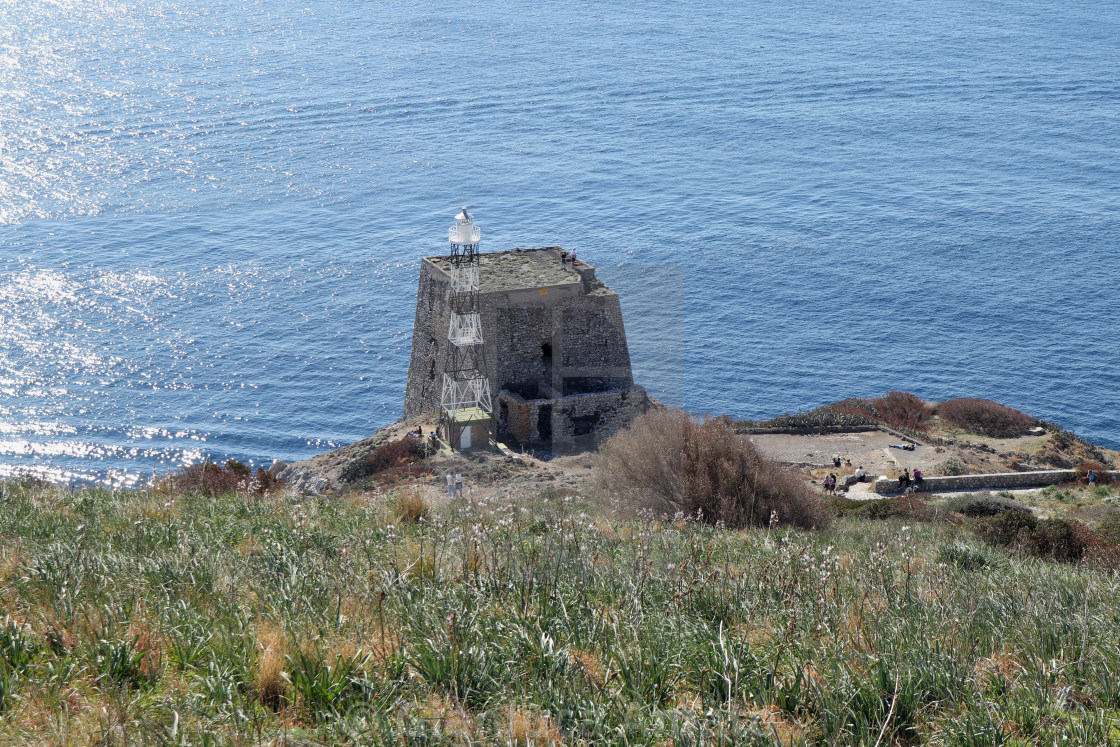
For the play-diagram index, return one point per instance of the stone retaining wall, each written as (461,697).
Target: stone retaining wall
(998,481)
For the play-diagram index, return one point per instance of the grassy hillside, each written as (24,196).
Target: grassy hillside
(158,618)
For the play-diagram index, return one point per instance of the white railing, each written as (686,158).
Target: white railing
(460,394)
(463,234)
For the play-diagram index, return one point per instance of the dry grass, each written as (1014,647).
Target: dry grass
(530,729)
(268,679)
(409,505)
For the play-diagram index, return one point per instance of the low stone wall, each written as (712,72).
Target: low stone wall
(998,481)
(808,430)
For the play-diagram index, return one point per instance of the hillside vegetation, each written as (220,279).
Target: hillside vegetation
(159,617)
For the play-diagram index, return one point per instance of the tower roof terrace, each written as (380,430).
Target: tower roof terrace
(523,269)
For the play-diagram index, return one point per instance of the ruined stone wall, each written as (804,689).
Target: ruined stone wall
(577,421)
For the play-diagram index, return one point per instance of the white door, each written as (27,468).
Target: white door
(465,438)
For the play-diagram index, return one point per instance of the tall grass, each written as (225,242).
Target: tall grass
(537,620)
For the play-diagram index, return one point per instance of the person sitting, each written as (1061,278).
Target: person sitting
(917,477)
(859,472)
(848,463)
(904,479)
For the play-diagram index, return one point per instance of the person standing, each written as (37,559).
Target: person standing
(459,485)
(450,486)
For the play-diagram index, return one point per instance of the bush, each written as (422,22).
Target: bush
(1007,528)
(1109,529)
(903,410)
(902,507)
(208,479)
(985,417)
(964,558)
(1081,473)
(978,506)
(667,461)
(393,459)
(1056,539)
(1052,539)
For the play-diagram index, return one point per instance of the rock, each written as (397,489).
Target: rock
(277,467)
(304,479)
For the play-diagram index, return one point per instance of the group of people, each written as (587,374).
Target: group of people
(454,485)
(838,462)
(905,480)
(830,484)
(564,256)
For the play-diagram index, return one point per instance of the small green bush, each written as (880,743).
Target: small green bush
(1052,539)
(1007,528)
(1109,529)
(978,506)
(964,558)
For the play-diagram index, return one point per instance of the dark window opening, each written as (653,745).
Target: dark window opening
(525,389)
(584,425)
(546,357)
(544,423)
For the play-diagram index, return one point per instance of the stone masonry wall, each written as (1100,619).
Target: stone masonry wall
(602,413)
(583,329)
(999,481)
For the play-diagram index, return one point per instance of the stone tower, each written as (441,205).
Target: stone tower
(555,348)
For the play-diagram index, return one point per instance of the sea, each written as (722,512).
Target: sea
(212,212)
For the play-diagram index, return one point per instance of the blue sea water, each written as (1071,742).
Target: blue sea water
(212,213)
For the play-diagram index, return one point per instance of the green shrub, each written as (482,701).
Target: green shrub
(963,558)
(1007,528)
(1109,529)
(985,417)
(978,506)
(902,507)
(950,467)
(1052,539)
(669,462)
